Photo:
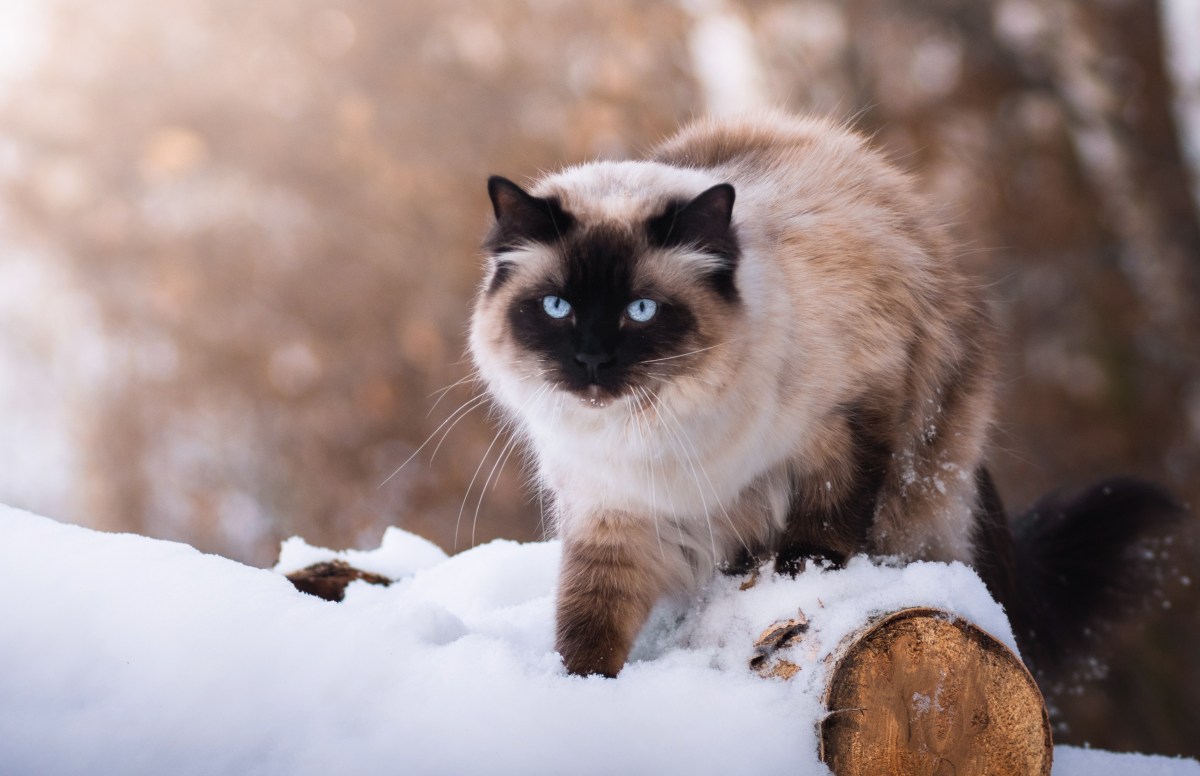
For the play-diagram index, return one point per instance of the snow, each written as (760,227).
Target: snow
(1092,762)
(400,554)
(123,654)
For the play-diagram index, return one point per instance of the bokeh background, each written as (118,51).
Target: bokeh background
(238,245)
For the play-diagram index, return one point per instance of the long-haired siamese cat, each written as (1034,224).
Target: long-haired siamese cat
(756,343)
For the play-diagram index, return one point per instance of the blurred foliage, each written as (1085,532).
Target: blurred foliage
(275,208)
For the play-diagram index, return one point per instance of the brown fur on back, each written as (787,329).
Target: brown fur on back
(895,293)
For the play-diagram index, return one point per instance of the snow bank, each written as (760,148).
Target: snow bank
(121,654)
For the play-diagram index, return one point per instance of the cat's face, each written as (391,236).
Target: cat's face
(601,308)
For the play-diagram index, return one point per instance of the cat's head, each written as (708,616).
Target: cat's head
(609,281)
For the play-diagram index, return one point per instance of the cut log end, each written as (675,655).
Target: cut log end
(921,691)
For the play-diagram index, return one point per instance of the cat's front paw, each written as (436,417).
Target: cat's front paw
(795,561)
(591,659)
(790,565)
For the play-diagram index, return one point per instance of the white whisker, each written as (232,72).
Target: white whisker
(503,427)
(441,393)
(512,448)
(446,433)
(712,488)
(655,404)
(692,463)
(465,409)
(690,352)
(512,439)
(642,441)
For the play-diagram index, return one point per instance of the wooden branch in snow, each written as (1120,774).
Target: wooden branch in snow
(329,579)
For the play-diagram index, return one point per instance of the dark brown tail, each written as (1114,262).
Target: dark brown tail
(1072,564)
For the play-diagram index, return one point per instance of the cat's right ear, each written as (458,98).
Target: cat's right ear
(704,223)
(522,217)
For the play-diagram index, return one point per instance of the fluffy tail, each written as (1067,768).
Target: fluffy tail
(1073,563)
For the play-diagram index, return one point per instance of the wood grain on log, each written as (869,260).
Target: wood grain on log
(921,691)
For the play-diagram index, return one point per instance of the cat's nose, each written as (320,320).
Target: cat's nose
(593,361)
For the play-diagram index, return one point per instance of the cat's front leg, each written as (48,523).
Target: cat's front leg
(610,578)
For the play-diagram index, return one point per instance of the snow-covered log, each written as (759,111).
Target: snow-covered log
(918,690)
(122,654)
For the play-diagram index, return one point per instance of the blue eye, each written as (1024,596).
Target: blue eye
(556,306)
(642,310)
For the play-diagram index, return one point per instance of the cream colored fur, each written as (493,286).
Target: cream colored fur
(847,289)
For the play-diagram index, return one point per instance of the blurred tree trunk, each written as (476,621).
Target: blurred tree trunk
(1108,69)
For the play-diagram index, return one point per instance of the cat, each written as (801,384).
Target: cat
(756,343)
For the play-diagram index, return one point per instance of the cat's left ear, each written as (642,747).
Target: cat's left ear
(703,223)
(522,217)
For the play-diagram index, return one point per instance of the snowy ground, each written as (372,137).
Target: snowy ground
(122,654)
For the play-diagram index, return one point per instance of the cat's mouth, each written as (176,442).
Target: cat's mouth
(600,389)
(595,396)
